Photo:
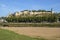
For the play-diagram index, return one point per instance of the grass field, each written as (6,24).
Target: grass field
(9,35)
(49,33)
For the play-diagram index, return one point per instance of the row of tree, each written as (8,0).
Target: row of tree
(30,19)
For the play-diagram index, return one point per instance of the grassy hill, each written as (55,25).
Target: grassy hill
(9,35)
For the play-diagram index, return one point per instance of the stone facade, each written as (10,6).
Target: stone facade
(31,13)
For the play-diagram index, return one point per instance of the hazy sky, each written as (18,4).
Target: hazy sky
(7,6)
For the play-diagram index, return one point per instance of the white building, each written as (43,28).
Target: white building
(17,13)
(3,21)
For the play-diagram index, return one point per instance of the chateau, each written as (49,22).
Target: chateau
(30,13)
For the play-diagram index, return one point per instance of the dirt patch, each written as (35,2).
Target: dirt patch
(45,32)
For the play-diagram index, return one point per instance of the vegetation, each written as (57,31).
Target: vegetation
(33,19)
(30,24)
(9,35)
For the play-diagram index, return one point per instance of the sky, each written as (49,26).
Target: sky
(11,6)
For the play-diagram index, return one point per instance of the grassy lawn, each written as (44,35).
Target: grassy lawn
(9,35)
